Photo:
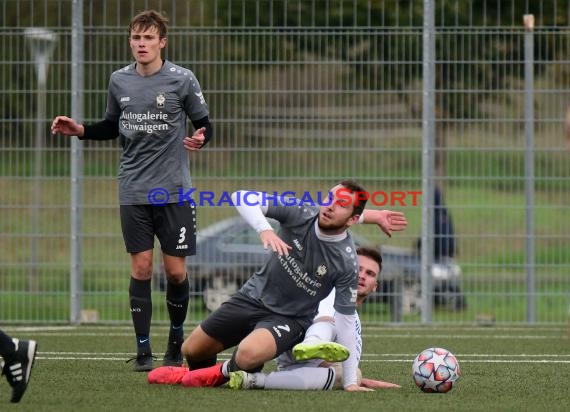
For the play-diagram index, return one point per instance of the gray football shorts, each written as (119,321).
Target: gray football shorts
(239,316)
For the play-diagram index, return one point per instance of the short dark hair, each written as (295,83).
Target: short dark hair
(147,19)
(372,254)
(355,187)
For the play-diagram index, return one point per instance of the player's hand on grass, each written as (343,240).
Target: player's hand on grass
(66,126)
(356,388)
(270,240)
(387,220)
(375,384)
(196,141)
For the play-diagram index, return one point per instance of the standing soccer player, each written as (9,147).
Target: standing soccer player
(148,104)
(313,253)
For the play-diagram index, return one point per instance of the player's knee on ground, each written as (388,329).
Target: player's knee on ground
(338,375)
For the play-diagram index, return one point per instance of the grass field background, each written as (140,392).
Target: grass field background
(503,369)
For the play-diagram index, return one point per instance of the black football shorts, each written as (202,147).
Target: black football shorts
(173,224)
(239,316)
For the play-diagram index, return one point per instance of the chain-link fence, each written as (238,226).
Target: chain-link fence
(302,94)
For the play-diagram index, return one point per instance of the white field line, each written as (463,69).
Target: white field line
(408,358)
(474,328)
(93,357)
(518,361)
(366,326)
(439,336)
(364,355)
(464,355)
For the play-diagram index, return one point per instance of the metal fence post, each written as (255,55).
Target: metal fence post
(428,138)
(76,161)
(529,164)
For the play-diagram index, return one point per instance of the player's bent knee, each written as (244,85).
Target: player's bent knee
(248,358)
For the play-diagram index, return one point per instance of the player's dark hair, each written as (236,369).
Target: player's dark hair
(147,19)
(355,187)
(370,253)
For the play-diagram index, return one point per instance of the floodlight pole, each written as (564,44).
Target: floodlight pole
(41,42)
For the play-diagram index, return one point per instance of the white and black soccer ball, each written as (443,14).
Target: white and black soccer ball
(435,370)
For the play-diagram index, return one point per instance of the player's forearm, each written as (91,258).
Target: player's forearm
(205,123)
(103,130)
(370,216)
(346,336)
(251,206)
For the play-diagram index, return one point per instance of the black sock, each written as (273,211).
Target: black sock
(192,365)
(7,347)
(141,312)
(233,366)
(177,298)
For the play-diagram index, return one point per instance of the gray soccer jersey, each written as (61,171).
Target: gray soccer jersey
(294,285)
(152,113)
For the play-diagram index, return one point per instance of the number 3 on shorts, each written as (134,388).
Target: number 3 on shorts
(182,236)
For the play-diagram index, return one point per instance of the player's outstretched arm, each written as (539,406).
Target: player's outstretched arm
(66,126)
(375,384)
(388,221)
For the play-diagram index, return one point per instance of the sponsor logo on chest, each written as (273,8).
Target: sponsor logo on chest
(160,99)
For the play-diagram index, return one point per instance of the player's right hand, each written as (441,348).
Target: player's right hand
(66,126)
(270,240)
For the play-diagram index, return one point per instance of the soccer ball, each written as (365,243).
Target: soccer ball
(435,370)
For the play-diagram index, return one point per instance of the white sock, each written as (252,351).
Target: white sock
(307,378)
(320,332)
(225,369)
(259,380)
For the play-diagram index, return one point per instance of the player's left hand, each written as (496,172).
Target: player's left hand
(196,141)
(271,240)
(356,388)
(374,384)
